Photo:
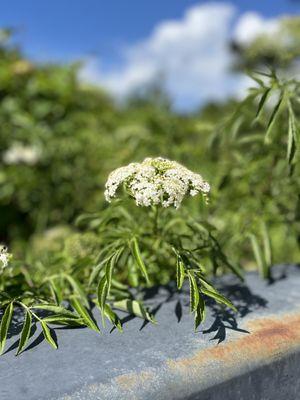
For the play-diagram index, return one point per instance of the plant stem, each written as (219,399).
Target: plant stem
(155,219)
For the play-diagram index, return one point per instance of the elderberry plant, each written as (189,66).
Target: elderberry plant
(119,252)
(153,242)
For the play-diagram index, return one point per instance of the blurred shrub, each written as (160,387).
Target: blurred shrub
(277,49)
(59,139)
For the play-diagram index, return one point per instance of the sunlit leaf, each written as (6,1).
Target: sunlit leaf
(102,292)
(137,255)
(48,334)
(112,316)
(81,310)
(180,273)
(25,332)
(134,307)
(218,297)
(59,319)
(194,291)
(5,323)
(53,308)
(200,313)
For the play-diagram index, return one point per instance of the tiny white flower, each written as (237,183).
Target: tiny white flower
(4,256)
(156,181)
(18,153)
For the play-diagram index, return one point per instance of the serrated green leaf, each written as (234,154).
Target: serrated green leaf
(112,316)
(134,307)
(4,326)
(218,297)
(55,309)
(81,310)
(47,334)
(200,313)
(180,273)
(138,258)
(102,292)
(109,269)
(63,320)
(25,332)
(194,291)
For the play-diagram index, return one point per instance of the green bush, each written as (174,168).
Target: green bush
(59,139)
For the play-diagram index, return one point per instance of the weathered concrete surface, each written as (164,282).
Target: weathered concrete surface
(252,356)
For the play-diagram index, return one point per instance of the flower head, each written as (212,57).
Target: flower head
(4,257)
(156,181)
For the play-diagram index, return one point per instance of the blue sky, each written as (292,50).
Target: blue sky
(113,35)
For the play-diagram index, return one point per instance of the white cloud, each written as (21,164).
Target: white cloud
(251,25)
(191,54)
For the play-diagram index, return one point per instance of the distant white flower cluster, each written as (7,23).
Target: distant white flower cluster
(4,257)
(18,153)
(156,181)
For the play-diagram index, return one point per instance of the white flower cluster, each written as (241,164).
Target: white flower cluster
(156,181)
(21,154)
(4,257)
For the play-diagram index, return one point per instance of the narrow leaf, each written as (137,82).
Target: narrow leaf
(109,269)
(112,316)
(48,335)
(25,332)
(137,255)
(5,322)
(194,292)
(218,297)
(200,313)
(54,309)
(102,292)
(134,307)
(180,273)
(63,320)
(81,310)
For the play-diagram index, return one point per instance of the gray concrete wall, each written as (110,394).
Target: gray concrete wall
(252,355)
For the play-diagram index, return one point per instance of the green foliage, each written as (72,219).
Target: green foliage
(59,139)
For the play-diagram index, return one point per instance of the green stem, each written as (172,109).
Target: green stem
(29,310)
(155,219)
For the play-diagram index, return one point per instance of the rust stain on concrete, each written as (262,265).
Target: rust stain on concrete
(269,338)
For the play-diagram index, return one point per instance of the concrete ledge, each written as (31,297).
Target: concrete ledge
(252,356)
